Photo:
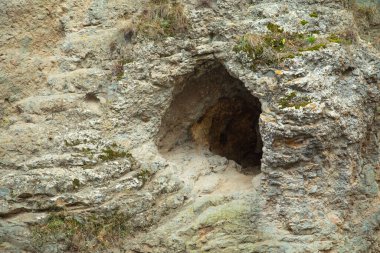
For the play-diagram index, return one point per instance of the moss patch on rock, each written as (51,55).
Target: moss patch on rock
(81,233)
(109,154)
(294,100)
(314,14)
(272,48)
(277,45)
(274,28)
(346,38)
(314,47)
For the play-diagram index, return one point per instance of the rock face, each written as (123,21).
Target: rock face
(115,141)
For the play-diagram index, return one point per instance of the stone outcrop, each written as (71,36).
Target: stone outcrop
(197,141)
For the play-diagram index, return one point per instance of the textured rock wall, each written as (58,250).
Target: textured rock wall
(82,102)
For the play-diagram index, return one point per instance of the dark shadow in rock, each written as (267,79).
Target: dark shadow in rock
(214,110)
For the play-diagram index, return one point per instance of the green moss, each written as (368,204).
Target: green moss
(311,39)
(270,48)
(334,38)
(274,28)
(340,39)
(291,56)
(314,48)
(277,43)
(293,100)
(109,154)
(55,223)
(314,14)
(304,22)
(86,233)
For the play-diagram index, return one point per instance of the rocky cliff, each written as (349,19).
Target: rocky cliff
(189,126)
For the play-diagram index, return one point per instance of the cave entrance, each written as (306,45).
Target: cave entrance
(212,109)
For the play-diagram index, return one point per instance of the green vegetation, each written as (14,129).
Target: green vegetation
(82,233)
(293,100)
(314,14)
(162,18)
(109,154)
(144,175)
(304,22)
(334,38)
(250,44)
(276,46)
(274,28)
(344,38)
(314,48)
(311,39)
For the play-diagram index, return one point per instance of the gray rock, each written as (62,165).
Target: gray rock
(97,119)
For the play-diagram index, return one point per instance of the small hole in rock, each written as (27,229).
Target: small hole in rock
(212,109)
(91,97)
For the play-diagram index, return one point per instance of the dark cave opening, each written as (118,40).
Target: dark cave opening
(214,110)
(230,129)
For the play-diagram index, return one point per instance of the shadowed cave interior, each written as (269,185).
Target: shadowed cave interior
(214,110)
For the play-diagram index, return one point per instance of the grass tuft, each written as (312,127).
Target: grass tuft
(162,18)
(366,15)
(273,48)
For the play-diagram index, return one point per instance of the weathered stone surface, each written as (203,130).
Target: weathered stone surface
(83,104)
